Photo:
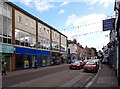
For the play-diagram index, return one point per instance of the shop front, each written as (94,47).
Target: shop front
(6,54)
(25,58)
(56,58)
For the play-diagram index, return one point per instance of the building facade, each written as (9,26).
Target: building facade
(25,39)
(75,50)
(117,29)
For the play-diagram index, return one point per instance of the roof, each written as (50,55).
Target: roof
(30,15)
(72,42)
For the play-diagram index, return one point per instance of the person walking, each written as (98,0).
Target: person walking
(35,64)
(4,69)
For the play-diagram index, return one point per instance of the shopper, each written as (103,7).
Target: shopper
(4,69)
(35,64)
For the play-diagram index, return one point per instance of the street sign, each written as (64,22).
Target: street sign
(109,24)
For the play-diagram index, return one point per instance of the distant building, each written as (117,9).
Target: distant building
(75,50)
(90,53)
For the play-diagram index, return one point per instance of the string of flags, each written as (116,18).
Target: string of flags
(76,27)
(89,33)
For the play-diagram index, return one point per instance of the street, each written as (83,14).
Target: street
(53,76)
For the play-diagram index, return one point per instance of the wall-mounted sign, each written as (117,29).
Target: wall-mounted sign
(6,49)
(109,24)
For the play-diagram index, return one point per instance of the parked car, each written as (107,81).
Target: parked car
(91,66)
(76,65)
(85,61)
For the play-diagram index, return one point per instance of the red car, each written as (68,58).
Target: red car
(76,65)
(91,66)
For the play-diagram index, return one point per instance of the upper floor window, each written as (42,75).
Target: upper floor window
(44,30)
(32,24)
(47,31)
(26,22)
(19,18)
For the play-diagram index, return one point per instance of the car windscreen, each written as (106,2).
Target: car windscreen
(77,62)
(90,62)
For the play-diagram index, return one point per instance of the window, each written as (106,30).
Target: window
(1,21)
(4,21)
(0,39)
(1,31)
(4,40)
(26,22)
(44,29)
(19,18)
(47,31)
(9,12)
(1,10)
(5,32)
(9,41)
(32,24)
(5,10)
(9,33)
(24,38)
(5,24)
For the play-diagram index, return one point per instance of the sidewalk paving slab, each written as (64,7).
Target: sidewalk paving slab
(105,78)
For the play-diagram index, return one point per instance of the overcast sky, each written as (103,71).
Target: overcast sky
(79,19)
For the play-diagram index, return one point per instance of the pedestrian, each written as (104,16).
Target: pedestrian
(4,69)
(35,64)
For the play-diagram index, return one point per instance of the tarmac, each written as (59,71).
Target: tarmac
(105,78)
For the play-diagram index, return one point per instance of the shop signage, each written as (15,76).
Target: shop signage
(109,24)
(6,49)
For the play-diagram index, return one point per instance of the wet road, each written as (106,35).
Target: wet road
(60,76)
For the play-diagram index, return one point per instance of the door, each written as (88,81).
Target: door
(8,62)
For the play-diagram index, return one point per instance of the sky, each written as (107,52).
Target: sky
(77,19)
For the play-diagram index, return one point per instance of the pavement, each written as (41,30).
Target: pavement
(105,78)
(25,71)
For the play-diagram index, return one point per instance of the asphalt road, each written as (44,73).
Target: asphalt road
(60,76)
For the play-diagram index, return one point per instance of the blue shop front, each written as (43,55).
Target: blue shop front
(26,57)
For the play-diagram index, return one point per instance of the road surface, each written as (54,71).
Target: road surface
(54,76)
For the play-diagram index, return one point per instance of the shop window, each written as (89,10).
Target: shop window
(4,40)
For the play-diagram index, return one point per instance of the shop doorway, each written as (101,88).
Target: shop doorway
(8,62)
(7,59)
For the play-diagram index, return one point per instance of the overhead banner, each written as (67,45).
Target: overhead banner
(109,24)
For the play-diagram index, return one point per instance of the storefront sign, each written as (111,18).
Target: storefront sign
(6,49)
(19,50)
